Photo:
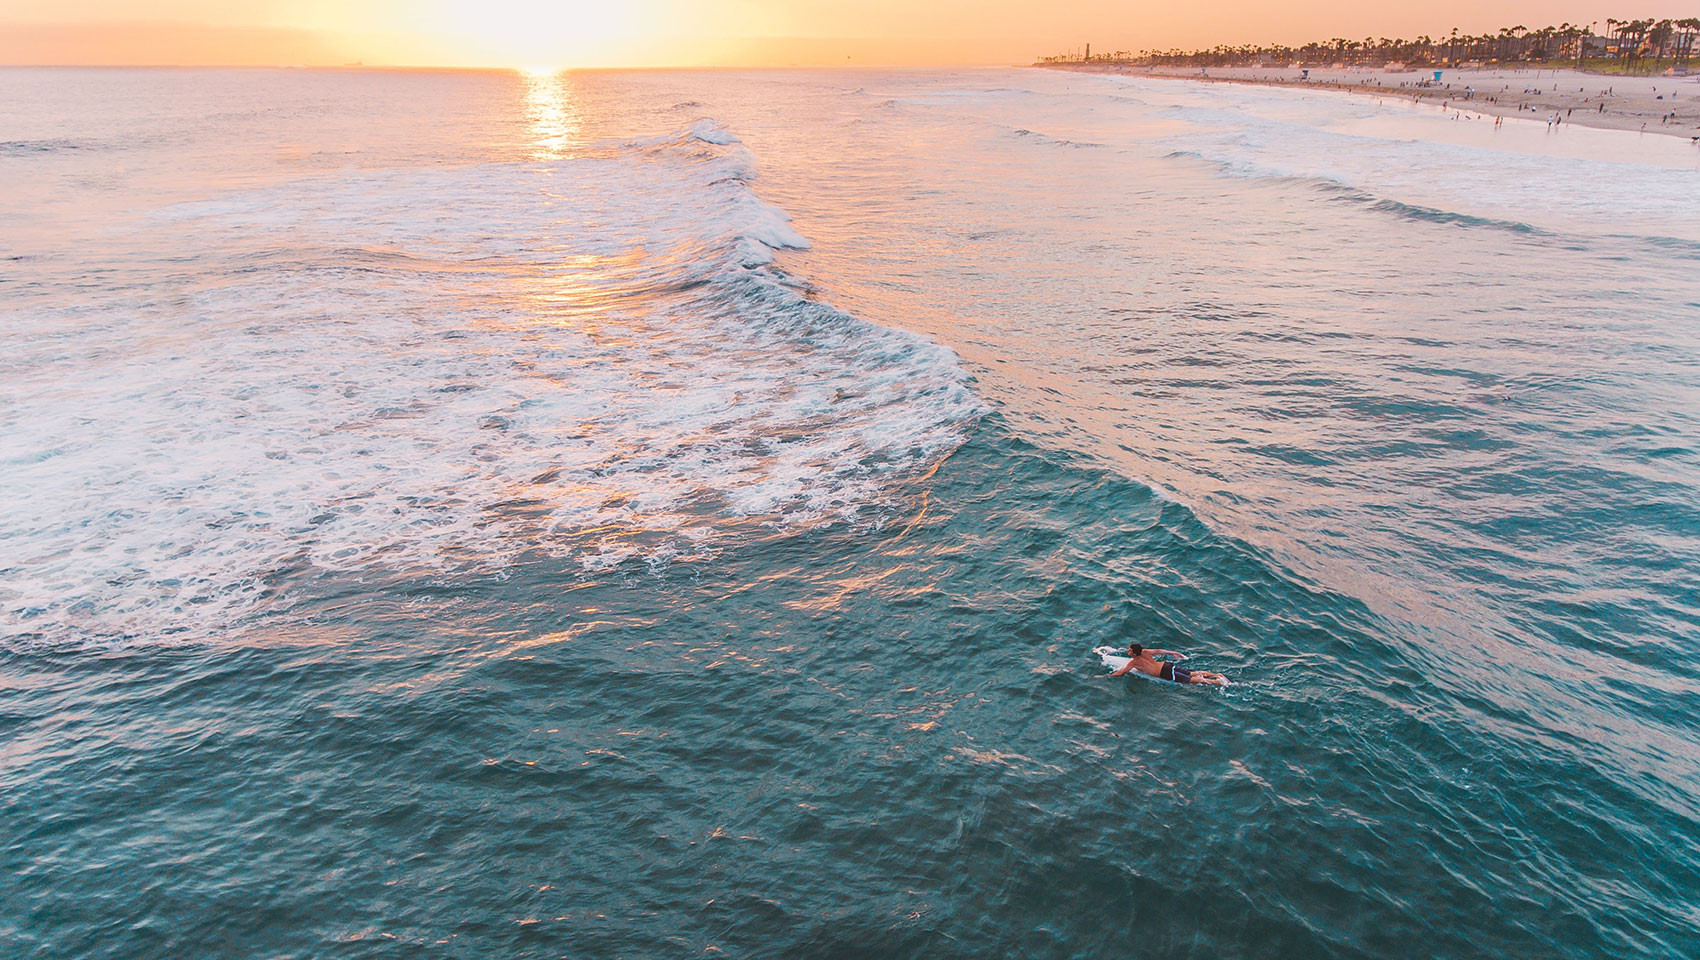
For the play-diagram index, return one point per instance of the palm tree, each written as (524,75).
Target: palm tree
(1660,33)
(1542,42)
(1630,40)
(1569,34)
(1638,30)
(1690,27)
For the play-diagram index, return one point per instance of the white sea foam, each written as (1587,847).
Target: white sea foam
(434,371)
(1570,178)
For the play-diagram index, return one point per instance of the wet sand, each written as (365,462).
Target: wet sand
(1614,103)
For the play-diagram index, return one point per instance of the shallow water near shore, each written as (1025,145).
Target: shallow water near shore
(662,514)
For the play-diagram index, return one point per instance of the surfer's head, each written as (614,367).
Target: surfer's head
(1134,649)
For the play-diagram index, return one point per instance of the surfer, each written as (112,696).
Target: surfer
(1146,662)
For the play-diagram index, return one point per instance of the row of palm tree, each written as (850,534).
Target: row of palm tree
(1658,37)
(1630,40)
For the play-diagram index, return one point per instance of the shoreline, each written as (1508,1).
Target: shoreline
(1634,104)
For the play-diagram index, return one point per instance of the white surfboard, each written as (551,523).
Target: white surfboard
(1115,661)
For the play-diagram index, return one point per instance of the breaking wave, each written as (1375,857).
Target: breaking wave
(440,370)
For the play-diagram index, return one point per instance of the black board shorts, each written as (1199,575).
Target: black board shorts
(1177,674)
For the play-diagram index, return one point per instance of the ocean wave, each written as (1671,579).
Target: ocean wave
(1424,164)
(1026,134)
(425,371)
(26,148)
(1412,211)
(1338,189)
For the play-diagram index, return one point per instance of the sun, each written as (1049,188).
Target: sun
(535,35)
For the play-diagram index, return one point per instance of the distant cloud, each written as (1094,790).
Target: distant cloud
(154,43)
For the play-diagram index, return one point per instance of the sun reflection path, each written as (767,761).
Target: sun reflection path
(549,106)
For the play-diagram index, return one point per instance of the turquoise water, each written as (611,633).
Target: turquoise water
(658,514)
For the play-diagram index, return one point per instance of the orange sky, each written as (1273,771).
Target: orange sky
(643,33)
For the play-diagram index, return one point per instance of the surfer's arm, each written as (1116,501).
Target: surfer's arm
(1168,653)
(1123,669)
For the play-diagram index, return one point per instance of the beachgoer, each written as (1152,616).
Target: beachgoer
(1146,662)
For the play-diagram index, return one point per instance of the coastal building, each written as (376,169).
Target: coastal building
(1613,47)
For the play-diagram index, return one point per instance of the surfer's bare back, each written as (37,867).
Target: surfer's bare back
(1146,662)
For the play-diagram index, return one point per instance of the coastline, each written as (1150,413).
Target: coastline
(1636,104)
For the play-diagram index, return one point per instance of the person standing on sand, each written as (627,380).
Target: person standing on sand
(1146,662)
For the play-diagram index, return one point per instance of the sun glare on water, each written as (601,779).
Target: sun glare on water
(550,108)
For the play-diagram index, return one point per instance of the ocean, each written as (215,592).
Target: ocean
(654,514)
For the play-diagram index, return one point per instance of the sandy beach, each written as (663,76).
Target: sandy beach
(1617,103)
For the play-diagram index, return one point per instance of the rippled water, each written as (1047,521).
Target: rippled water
(653,514)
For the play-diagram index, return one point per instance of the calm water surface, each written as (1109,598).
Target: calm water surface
(666,514)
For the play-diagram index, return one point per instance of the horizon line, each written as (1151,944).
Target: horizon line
(510,69)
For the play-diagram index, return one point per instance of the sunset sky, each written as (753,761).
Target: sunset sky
(650,33)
